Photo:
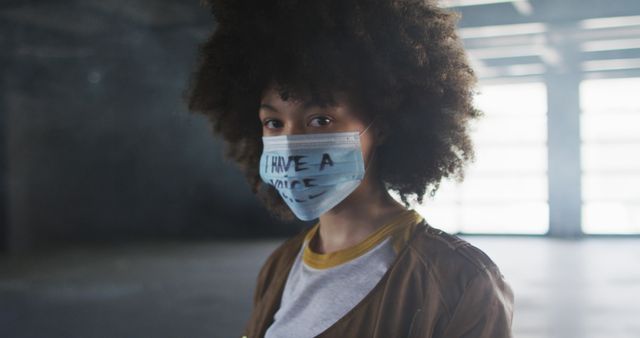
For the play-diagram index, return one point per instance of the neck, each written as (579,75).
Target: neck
(368,208)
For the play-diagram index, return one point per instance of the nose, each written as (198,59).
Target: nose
(294,128)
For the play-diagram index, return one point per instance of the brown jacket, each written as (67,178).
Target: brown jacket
(438,286)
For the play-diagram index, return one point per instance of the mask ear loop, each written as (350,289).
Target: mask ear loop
(374,149)
(365,129)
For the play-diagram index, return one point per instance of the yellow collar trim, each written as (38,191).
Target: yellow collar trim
(406,220)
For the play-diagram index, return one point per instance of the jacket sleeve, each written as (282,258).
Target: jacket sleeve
(261,280)
(485,309)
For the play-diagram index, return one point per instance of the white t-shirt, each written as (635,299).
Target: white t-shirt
(322,288)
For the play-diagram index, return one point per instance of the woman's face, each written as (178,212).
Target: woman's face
(279,117)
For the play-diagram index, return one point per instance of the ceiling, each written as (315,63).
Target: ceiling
(526,39)
(512,40)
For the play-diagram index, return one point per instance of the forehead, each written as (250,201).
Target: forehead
(276,94)
(338,101)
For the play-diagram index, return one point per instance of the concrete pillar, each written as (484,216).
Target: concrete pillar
(563,128)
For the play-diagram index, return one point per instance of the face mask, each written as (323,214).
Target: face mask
(313,172)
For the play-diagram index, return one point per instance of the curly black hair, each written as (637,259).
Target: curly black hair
(400,60)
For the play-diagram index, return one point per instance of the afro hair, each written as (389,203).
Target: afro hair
(401,60)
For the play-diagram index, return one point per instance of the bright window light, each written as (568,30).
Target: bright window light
(619,21)
(501,30)
(610,128)
(505,189)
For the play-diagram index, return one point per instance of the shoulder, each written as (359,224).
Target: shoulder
(439,248)
(478,300)
(455,265)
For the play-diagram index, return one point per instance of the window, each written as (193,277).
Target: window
(505,189)
(610,131)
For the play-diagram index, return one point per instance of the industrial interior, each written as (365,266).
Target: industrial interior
(120,216)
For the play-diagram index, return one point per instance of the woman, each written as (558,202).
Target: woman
(327,106)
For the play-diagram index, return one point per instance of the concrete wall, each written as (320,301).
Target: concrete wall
(97,142)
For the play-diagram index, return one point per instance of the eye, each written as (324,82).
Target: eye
(319,121)
(272,124)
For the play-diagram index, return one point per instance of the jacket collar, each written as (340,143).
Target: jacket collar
(271,302)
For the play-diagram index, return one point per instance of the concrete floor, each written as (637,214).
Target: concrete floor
(564,289)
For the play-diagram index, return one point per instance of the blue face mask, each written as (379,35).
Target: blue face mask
(313,172)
